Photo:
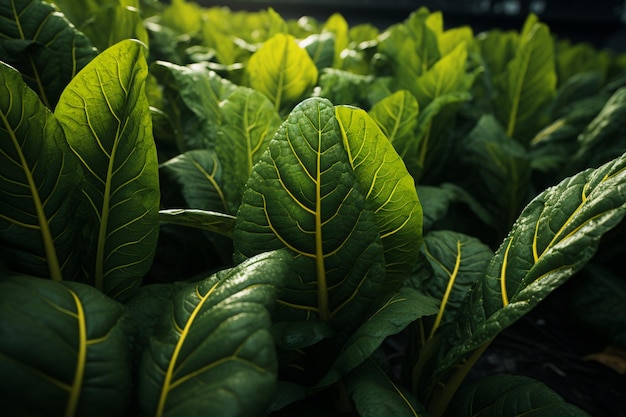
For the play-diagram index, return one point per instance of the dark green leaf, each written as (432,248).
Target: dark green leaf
(38,181)
(200,219)
(213,352)
(321,48)
(63,351)
(104,113)
(45,47)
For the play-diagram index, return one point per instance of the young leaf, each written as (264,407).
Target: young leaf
(40,43)
(528,84)
(390,192)
(281,70)
(64,342)
(556,234)
(38,181)
(213,352)
(104,113)
(304,195)
(509,396)
(338,26)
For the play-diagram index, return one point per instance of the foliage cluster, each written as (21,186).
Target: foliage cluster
(208,212)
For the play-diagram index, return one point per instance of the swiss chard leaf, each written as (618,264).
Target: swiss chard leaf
(213,353)
(38,181)
(64,342)
(509,396)
(282,70)
(43,45)
(304,195)
(104,113)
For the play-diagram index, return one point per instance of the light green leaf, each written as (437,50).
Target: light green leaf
(397,117)
(555,236)
(529,83)
(338,26)
(451,38)
(38,181)
(43,46)
(198,173)
(304,195)
(282,70)
(249,121)
(200,219)
(511,396)
(213,353)
(389,318)
(65,343)
(390,192)
(104,113)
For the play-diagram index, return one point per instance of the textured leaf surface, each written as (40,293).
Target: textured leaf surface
(104,113)
(213,353)
(304,195)
(510,396)
(390,192)
(281,70)
(38,178)
(63,342)
(43,45)
(556,234)
(397,117)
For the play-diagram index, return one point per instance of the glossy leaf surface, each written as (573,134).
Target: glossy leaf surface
(38,179)
(43,46)
(104,113)
(212,353)
(64,342)
(304,195)
(200,219)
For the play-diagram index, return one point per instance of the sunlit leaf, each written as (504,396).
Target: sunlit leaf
(397,117)
(104,113)
(38,182)
(64,342)
(213,352)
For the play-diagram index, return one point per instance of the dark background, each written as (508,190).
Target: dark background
(599,22)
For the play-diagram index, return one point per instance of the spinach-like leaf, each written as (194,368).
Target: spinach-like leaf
(63,350)
(304,195)
(390,192)
(38,181)
(46,49)
(281,70)
(213,353)
(104,113)
(509,396)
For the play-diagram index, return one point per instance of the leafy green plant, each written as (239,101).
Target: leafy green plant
(365,211)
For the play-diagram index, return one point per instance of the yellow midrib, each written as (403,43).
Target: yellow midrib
(77,383)
(322,285)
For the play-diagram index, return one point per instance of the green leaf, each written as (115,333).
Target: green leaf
(321,48)
(397,117)
(343,87)
(510,396)
(375,394)
(213,352)
(304,195)
(249,121)
(281,70)
(529,83)
(390,192)
(338,26)
(38,181)
(198,173)
(63,342)
(104,113)
(389,318)
(40,43)
(200,219)
(555,236)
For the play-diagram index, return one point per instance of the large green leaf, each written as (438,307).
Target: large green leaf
(38,181)
(213,353)
(555,236)
(63,350)
(528,84)
(510,396)
(282,70)
(104,113)
(304,195)
(46,49)
(390,192)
